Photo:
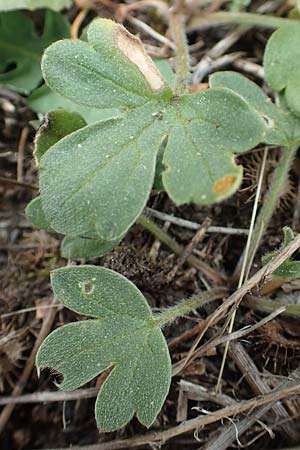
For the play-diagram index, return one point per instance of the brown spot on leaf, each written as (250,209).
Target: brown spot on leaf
(223,185)
(87,287)
(133,49)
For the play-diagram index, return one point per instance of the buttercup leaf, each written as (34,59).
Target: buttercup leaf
(21,46)
(197,136)
(58,124)
(123,336)
(282,64)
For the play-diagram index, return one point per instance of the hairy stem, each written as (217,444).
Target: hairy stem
(270,203)
(188,305)
(182,53)
(210,273)
(251,19)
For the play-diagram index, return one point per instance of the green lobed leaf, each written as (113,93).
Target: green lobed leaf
(21,48)
(43,100)
(201,131)
(56,5)
(282,64)
(56,125)
(79,247)
(123,336)
(283,127)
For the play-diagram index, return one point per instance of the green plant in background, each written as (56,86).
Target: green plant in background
(193,163)
(282,65)
(56,5)
(21,48)
(282,116)
(95,179)
(198,132)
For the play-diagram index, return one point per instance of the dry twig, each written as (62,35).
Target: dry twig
(198,422)
(233,431)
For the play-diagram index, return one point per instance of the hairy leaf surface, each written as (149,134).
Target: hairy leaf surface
(200,132)
(123,336)
(105,69)
(283,127)
(71,247)
(21,48)
(205,129)
(43,100)
(79,174)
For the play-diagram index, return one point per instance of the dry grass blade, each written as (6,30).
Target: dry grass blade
(260,276)
(199,393)
(234,431)
(252,375)
(194,424)
(9,182)
(194,225)
(238,295)
(58,396)
(245,268)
